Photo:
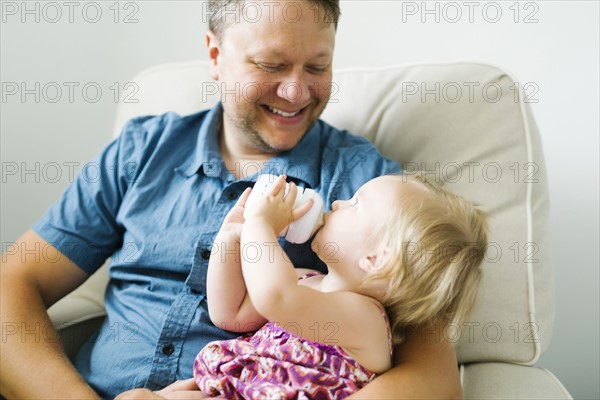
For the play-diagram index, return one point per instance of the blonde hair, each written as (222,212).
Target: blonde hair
(437,241)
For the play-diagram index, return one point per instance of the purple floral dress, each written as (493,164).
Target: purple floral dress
(276,364)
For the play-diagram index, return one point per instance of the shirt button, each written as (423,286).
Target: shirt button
(205,254)
(232,195)
(168,349)
(194,291)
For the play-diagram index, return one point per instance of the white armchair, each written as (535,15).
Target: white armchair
(467,124)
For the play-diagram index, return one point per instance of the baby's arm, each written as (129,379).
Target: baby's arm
(228,304)
(266,269)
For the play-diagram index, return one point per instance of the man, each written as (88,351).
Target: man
(165,185)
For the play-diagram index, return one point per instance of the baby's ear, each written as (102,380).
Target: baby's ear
(373,262)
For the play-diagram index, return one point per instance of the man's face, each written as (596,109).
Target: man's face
(274,73)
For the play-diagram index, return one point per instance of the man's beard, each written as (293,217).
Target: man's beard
(251,135)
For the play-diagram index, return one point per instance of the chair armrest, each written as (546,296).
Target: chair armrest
(510,381)
(80,314)
(76,319)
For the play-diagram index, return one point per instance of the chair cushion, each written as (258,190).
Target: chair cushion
(469,125)
(509,381)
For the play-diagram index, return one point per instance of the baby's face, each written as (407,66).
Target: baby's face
(344,237)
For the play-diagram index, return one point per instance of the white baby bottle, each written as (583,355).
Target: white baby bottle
(299,231)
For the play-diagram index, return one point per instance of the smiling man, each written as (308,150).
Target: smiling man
(166,184)
(275,74)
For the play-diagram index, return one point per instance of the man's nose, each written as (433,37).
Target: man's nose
(294,88)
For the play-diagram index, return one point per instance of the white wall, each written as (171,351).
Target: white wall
(556,52)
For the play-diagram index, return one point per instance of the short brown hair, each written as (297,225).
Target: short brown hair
(217,22)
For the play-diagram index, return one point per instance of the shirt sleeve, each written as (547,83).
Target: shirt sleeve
(82,224)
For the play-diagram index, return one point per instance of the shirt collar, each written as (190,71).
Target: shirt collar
(302,163)
(206,154)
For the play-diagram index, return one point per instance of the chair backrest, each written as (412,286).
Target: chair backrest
(465,123)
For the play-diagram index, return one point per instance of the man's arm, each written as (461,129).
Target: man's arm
(425,368)
(34,275)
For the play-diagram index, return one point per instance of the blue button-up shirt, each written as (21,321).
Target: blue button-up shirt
(153,201)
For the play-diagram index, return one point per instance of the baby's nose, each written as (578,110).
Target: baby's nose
(335,205)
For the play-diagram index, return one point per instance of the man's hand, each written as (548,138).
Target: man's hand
(179,390)
(139,394)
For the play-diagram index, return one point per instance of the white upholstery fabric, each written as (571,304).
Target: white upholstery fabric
(467,123)
(513,320)
(510,381)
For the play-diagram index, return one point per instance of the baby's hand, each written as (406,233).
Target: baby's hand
(275,206)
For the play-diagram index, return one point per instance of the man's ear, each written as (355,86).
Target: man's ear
(214,51)
(374,261)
